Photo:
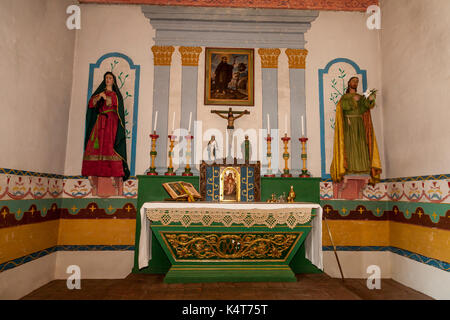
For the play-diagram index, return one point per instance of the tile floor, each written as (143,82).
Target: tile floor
(152,287)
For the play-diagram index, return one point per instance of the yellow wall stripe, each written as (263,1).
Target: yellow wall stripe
(429,242)
(356,233)
(19,241)
(97,231)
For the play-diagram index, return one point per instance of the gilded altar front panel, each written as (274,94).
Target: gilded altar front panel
(201,246)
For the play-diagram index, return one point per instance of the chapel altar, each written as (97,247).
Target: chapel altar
(229,241)
(242,229)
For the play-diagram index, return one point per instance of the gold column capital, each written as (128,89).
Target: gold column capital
(162,55)
(297,58)
(269,57)
(189,55)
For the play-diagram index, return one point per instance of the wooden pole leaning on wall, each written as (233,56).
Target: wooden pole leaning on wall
(334,247)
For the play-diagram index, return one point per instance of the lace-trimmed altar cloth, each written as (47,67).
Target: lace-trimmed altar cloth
(247,214)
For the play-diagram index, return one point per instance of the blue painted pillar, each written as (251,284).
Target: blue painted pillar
(189,81)
(162,58)
(297,64)
(269,65)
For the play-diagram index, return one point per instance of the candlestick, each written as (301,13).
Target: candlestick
(269,157)
(303,127)
(173,122)
(156,121)
(187,170)
(286,173)
(153,153)
(190,119)
(304,173)
(285,123)
(170,167)
(268,125)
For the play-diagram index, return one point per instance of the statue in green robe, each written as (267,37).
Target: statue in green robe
(355,148)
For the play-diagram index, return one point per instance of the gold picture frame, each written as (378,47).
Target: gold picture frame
(230,184)
(229,77)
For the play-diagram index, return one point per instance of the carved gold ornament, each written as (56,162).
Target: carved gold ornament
(189,55)
(162,55)
(214,246)
(269,57)
(297,58)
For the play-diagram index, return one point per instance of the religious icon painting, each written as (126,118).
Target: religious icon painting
(230,184)
(229,77)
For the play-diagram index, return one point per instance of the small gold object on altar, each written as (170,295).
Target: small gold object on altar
(273,199)
(291,196)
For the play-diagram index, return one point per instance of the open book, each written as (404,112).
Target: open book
(180,190)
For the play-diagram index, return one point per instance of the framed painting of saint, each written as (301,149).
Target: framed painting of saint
(229,77)
(230,184)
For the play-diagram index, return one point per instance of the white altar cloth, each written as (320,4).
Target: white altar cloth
(313,242)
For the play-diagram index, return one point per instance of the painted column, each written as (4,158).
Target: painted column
(269,65)
(189,79)
(162,58)
(297,64)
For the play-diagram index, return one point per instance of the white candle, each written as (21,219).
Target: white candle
(285,123)
(173,123)
(190,119)
(303,126)
(156,120)
(268,124)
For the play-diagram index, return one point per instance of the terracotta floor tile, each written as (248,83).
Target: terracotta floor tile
(152,287)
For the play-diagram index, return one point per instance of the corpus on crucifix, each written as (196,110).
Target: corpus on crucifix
(230,116)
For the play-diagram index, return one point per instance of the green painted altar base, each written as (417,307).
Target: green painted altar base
(150,189)
(188,264)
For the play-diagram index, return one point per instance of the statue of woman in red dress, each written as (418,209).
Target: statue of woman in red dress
(105,153)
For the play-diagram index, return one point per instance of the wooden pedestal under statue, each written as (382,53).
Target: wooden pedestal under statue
(106,186)
(351,187)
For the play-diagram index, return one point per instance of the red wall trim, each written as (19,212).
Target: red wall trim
(336,5)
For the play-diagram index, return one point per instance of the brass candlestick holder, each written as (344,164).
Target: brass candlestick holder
(304,156)
(286,173)
(170,171)
(187,170)
(153,153)
(269,157)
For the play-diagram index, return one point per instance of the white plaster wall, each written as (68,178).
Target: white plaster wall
(20,281)
(421,277)
(415,42)
(36,77)
(211,121)
(105,29)
(95,264)
(340,35)
(354,264)
(133,36)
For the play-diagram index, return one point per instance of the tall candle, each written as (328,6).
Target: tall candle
(268,124)
(303,126)
(285,123)
(190,119)
(173,123)
(156,120)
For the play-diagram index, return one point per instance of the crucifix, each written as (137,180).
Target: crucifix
(230,126)
(230,116)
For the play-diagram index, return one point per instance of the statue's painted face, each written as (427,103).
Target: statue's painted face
(109,80)
(224,59)
(354,83)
